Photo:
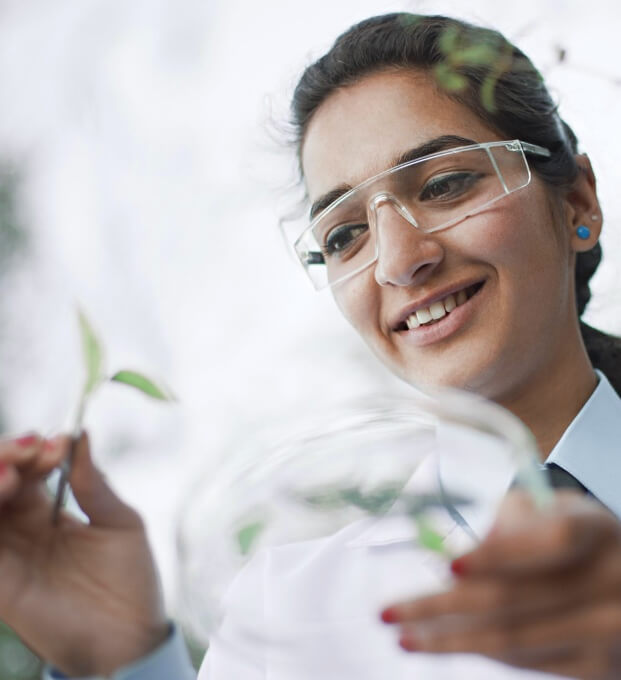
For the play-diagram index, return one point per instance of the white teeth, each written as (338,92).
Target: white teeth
(412,321)
(423,315)
(437,310)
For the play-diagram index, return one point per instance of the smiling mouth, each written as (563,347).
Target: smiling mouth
(427,316)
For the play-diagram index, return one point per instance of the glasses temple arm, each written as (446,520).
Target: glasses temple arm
(535,149)
(313,257)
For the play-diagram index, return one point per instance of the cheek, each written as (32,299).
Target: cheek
(533,274)
(521,243)
(500,231)
(358,301)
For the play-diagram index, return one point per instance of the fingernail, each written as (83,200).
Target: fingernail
(408,642)
(459,567)
(389,615)
(50,444)
(27,440)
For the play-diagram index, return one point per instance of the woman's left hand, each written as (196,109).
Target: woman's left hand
(542,591)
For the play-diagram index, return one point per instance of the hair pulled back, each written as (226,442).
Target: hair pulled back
(481,70)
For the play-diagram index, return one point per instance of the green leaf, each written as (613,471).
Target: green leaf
(143,384)
(449,79)
(488,93)
(428,537)
(477,54)
(448,40)
(93,354)
(420,503)
(247,535)
(376,501)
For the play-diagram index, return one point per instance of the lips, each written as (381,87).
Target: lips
(435,307)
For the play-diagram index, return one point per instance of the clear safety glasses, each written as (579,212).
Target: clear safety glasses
(431,193)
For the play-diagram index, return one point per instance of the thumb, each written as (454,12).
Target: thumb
(94,496)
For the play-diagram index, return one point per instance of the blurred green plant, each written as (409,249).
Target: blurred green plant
(375,502)
(463,49)
(17,662)
(247,535)
(380,500)
(195,648)
(12,234)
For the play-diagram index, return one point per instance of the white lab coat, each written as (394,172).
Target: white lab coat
(323,597)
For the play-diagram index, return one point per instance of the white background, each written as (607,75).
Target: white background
(148,138)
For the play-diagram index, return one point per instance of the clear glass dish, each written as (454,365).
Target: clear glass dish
(311,528)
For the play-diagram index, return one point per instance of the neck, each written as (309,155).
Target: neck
(551,400)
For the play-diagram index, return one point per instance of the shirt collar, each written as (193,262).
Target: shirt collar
(590,448)
(470,463)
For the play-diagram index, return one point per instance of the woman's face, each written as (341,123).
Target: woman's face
(511,328)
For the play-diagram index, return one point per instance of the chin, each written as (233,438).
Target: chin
(463,376)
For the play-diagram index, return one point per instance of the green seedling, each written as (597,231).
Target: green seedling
(94,367)
(428,537)
(381,499)
(376,502)
(247,536)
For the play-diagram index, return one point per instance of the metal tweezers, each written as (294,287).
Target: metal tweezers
(65,473)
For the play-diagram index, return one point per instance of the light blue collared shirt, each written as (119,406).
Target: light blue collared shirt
(170,661)
(590,448)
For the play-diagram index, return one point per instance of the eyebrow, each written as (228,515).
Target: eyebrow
(432,146)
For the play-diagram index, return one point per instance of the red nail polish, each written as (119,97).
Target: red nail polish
(28,440)
(459,566)
(49,445)
(389,615)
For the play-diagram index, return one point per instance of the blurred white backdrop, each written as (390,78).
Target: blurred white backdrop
(150,182)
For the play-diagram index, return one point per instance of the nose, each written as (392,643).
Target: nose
(405,254)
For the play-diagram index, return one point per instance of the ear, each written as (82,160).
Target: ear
(583,209)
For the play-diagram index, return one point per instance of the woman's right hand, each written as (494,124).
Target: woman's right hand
(84,596)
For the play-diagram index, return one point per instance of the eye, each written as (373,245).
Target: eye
(343,239)
(449,186)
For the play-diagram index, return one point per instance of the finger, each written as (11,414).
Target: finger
(572,532)
(95,497)
(52,453)
(583,629)
(504,599)
(470,598)
(481,601)
(33,455)
(20,450)
(32,491)
(9,482)
(584,662)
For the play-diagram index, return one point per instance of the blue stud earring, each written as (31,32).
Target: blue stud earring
(583,232)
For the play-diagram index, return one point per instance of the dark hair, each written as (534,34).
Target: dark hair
(481,70)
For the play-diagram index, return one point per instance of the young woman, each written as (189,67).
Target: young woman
(457,227)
